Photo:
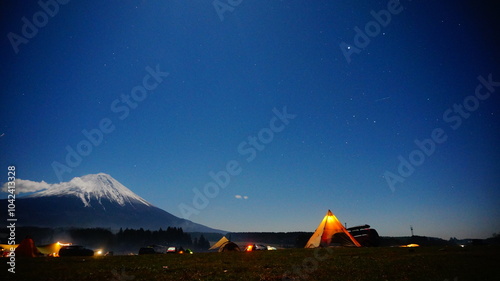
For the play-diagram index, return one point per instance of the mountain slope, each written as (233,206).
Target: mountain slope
(94,187)
(94,201)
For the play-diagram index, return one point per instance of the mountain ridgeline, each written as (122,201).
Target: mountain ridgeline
(96,200)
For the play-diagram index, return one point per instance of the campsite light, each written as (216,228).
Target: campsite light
(410,246)
(99,252)
(249,248)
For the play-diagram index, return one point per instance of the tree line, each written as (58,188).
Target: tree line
(125,240)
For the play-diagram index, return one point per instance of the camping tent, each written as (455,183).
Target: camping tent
(27,248)
(229,247)
(331,230)
(51,249)
(219,243)
(225,245)
(7,247)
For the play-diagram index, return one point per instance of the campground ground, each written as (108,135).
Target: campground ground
(383,263)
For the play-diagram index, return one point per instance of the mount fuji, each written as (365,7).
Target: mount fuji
(96,200)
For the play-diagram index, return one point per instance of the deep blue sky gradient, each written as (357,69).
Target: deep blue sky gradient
(225,77)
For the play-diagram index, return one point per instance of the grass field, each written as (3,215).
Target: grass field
(450,263)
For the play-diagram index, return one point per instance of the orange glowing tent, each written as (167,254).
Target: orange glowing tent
(7,247)
(331,231)
(52,249)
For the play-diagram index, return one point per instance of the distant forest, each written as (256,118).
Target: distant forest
(127,241)
(280,239)
(123,241)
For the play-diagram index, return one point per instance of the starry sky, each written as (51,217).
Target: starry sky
(171,92)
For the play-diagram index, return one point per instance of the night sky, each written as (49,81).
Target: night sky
(311,105)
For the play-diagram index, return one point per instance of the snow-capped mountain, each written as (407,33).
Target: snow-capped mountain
(94,201)
(98,187)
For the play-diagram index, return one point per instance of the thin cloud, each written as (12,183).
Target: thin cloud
(25,186)
(241,197)
(386,98)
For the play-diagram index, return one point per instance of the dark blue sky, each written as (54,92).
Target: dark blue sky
(352,120)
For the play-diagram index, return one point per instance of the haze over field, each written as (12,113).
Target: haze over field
(263,116)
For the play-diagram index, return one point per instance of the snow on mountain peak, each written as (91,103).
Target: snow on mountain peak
(94,186)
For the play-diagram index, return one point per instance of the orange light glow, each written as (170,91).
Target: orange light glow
(410,246)
(249,248)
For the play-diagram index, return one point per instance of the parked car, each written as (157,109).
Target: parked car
(259,247)
(75,250)
(147,251)
(175,250)
(255,247)
(365,235)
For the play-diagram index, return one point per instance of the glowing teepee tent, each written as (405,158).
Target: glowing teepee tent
(330,230)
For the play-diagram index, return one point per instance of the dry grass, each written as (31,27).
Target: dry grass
(474,263)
